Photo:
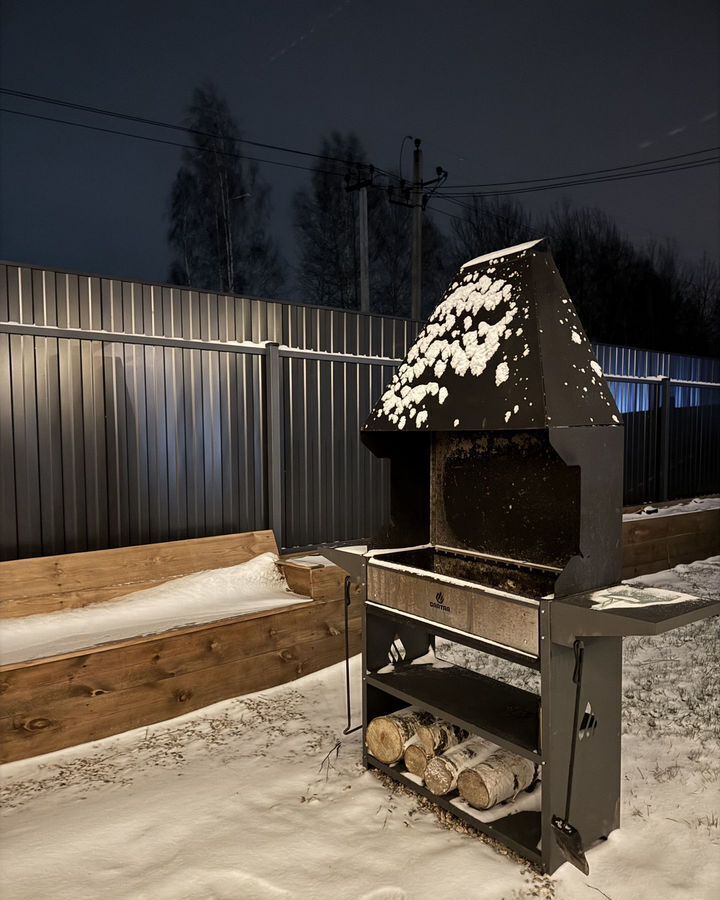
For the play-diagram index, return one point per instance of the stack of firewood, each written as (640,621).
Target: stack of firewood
(447,758)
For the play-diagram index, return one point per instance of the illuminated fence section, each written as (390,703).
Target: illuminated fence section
(670,405)
(132,413)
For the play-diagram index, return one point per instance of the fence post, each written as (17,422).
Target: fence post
(275,463)
(665,415)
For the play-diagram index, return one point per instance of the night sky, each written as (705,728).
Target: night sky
(497,90)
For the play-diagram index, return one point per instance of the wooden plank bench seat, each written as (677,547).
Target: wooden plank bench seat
(59,701)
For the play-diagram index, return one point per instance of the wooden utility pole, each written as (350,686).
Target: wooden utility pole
(416,198)
(417,214)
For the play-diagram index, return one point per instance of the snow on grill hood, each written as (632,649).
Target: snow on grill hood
(503,350)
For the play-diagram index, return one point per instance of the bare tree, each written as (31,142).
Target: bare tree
(219,208)
(625,294)
(325,223)
(705,294)
(485,225)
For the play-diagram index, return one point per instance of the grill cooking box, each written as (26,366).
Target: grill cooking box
(506,454)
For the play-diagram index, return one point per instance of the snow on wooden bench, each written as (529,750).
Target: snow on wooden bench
(123,664)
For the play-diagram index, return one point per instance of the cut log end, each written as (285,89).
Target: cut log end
(384,741)
(387,736)
(500,777)
(416,760)
(442,772)
(438,777)
(472,788)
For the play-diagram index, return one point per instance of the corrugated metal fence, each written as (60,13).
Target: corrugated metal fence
(671,410)
(132,413)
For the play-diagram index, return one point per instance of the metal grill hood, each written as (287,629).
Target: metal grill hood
(504,350)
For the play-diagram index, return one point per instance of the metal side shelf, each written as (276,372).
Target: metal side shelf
(506,715)
(520,832)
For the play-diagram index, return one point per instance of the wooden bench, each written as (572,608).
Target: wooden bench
(59,701)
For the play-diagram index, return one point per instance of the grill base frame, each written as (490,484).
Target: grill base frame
(596,805)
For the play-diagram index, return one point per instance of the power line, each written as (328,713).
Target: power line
(558,182)
(484,210)
(102,111)
(444,212)
(650,162)
(448,193)
(608,178)
(156,140)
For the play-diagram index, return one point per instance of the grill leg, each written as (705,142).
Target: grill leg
(596,788)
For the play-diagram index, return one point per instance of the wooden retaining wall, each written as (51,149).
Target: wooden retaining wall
(55,702)
(83,696)
(651,544)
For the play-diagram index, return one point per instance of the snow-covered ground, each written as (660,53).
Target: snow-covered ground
(253,798)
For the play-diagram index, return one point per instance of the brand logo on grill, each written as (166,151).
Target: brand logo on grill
(439,602)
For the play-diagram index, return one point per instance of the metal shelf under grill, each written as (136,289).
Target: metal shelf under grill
(520,831)
(507,715)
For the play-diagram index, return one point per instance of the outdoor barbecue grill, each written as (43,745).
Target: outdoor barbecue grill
(504,535)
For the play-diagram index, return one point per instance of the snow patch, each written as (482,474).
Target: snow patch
(500,254)
(698,504)
(502,373)
(628,597)
(210,596)
(440,345)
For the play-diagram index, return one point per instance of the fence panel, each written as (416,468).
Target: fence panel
(694,441)
(112,443)
(334,489)
(639,404)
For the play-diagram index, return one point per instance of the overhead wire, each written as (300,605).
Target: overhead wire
(450,198)
(558,181)
(444,212)
(663,170)
(448,192)
(157,140)
(485,211)
(649,162)
(157,123)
